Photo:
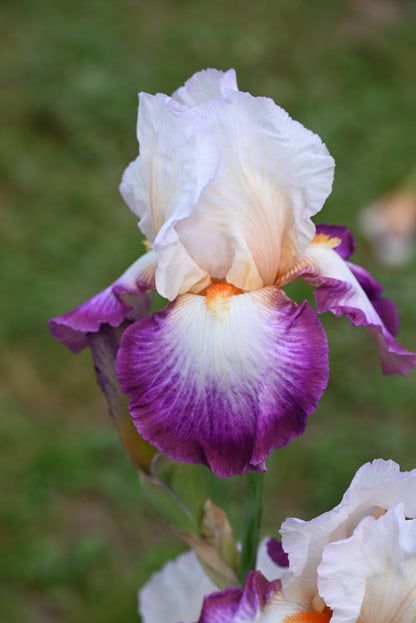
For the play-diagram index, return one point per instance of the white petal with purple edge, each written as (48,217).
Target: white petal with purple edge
(223,381)
(340,292)
(127,298)
(375,487)
(371,577)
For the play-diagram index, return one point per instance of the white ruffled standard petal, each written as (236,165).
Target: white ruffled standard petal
(376,487)
(371,577)
(253,219)
(177,273)
(230,174)
(177,160)
(206,85)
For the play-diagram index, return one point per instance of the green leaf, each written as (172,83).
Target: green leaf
(187,481)
(168,504)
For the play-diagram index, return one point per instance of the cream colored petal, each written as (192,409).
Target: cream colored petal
(273,176)
(280,610)
(371,577)
(177,273)
(377,485)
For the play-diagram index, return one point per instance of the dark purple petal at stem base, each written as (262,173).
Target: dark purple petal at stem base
(347,245)
(277,553)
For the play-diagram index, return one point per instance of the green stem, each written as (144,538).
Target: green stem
(252,518)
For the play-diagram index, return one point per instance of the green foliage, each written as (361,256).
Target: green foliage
(178,491)
(77,537)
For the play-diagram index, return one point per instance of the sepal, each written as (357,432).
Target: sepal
(104,346)
(177,490)
(216,530)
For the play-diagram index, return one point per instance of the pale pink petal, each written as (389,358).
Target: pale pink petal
(273,176)
(376,486)
(371,577)
(177,272)
(281,610)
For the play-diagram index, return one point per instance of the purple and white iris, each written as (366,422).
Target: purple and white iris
(225,187)
(353,564)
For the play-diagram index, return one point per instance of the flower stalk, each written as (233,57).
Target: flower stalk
(251,527)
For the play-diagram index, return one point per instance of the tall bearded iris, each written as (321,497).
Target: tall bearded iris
(225,187)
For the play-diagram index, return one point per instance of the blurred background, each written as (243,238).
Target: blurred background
(77,539)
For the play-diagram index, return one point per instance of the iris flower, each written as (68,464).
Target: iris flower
(225,187)
(353,564)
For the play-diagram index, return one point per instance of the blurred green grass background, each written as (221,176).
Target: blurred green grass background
(77,539)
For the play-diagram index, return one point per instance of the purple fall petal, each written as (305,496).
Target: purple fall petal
(346,289)
(224,391)
(394,357)
(236,605)
(127,298)
(385,308)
